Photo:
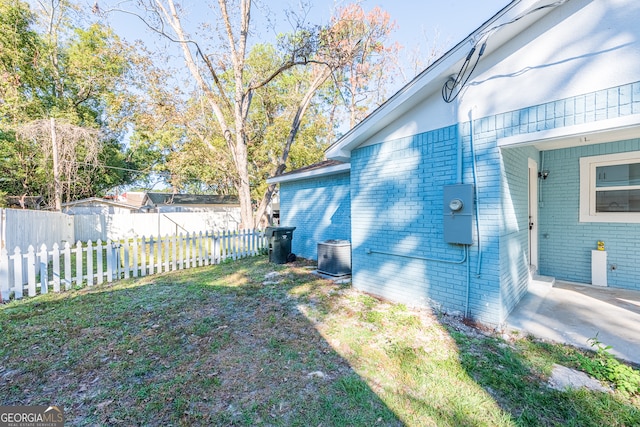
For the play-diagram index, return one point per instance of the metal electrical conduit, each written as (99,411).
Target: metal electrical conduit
(475,187)
(446,261)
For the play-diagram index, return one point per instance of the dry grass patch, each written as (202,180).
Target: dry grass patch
(250,343)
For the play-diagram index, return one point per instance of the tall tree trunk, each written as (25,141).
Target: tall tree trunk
(322,75)
(57,190)
(243,187)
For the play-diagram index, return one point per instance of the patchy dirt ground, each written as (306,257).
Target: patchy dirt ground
(250,343)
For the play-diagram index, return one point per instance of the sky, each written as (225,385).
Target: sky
(452,19)
(420,24)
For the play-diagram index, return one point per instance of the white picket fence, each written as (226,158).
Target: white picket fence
(92,263)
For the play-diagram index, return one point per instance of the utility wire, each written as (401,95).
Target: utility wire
(116,167)
(449,92)
(454,85)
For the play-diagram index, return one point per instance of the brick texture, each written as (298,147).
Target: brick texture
(566,243)
(319,208)
(395,192)
(397,208)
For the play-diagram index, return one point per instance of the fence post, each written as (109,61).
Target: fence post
(236,240)
(193,249)
(203,248)
(195,259)
(143,257)
(31,271)
(5,289)
(217,254)
(89,263)
(256,241)
(110,262)
(167,250)
(18,283)
(99,262)
(187,251)
(174,244)
(127,264)
(115,247)
(207,248)
(198,257)
(180,254)
(67,266)
(55,257)
(79,275)
(223,246)
(3,229)
(240,243)
(44,269)
(134,273)
(152,257)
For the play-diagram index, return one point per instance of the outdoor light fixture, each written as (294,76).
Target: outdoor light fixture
(544,174)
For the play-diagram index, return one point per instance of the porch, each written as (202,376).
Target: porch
(572,313)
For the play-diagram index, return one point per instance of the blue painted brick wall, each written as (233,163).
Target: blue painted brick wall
(396,204)
(397,208)
(320,208)
(514,236)
(566,243)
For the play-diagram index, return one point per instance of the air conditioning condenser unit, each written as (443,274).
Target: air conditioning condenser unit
(334,257)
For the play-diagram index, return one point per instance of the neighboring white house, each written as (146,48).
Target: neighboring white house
(98,206)
(140,213)
(146,202)
(168,202)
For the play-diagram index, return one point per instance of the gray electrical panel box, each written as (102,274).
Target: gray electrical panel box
(458,214)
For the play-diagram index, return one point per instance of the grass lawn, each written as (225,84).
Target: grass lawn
(223,345)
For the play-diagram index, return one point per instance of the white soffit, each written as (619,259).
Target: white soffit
(618,129)
(314,173)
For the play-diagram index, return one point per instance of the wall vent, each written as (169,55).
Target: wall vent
(334,257)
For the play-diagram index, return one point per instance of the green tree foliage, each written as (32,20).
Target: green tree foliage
(191,151)
(263,100)
(361,83)
(79,76)
(274,109)
(21,49)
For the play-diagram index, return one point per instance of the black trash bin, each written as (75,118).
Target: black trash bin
(280,244)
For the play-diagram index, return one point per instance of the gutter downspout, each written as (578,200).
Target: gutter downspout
(540,197)
(466,247)
(475,187)
(459,158)
(466,303)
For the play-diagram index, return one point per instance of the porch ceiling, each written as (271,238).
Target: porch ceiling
(601,131)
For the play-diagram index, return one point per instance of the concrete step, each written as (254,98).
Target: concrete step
(541,285)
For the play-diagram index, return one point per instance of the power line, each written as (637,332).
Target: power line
(118,168)
(454,85)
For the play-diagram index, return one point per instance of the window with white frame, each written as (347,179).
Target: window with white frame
(610,188)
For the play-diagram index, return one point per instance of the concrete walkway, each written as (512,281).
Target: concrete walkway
(571,313)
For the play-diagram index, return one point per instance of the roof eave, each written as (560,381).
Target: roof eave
(98,200)
(315,173)
(430,81)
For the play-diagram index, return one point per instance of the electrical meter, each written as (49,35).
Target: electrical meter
(455,205)
(457,213)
